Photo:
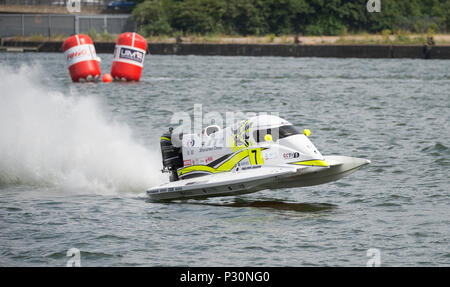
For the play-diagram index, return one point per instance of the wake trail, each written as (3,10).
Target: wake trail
(48,138)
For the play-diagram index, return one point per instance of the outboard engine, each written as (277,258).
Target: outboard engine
(172,156)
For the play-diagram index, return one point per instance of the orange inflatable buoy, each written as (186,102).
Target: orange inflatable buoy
(129,55)
(107,78)
(81,58)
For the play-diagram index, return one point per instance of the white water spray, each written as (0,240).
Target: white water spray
(47,138)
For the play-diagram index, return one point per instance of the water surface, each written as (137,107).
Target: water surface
(75,160)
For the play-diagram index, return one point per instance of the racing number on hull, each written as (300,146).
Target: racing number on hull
(255,156)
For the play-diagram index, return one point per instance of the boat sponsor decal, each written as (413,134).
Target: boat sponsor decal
(80,53)
(130,55)
(255,156)
(190,142)
(162,190)
(187,162)
(251,167)
(199,161)
(206,149)
(289,155)
(244,162)
(269,155)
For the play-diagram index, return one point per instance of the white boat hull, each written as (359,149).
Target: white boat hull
(257,178)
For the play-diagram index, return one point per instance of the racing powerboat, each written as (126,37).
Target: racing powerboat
(262,152)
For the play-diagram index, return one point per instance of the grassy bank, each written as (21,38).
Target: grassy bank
(359,39)
(355,39)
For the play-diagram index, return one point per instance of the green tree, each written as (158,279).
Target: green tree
(191,16)
(310,17)
(246,17)
(152,17)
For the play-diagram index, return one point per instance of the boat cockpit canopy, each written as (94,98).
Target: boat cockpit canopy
(277,133)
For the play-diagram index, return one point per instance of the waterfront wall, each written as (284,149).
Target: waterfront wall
(335,51)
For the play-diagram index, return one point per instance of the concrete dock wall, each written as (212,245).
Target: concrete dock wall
(335,51)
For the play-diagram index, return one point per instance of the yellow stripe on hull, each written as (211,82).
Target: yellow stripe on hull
(197,168)
(312,163)
(255,159)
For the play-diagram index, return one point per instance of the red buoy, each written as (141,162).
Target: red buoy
(81,58)
(107,78)
(129,56)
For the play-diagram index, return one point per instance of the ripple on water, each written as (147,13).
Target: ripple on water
(393,112)
(437,149)
(282,205)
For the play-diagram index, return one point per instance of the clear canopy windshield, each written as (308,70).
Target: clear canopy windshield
(276,133)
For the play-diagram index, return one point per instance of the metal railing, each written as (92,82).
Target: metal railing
(50,25)
(92,3)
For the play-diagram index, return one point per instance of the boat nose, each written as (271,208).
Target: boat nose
(359,162)
(347,162)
